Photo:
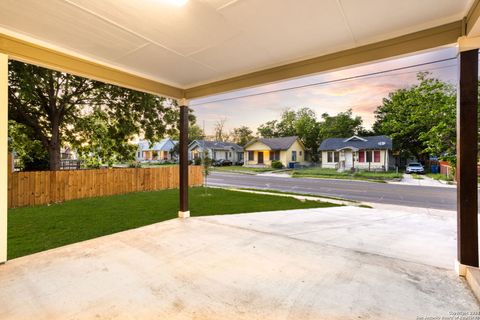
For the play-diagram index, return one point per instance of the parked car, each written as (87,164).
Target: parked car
(239,163)
(222,163)
(415,167)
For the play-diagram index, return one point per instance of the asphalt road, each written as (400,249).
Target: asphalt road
(405,195)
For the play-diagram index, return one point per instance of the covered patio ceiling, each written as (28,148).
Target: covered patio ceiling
(194,48)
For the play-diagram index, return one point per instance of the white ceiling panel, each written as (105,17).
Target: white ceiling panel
(206,40)
(290,29)
(219,4)
(235,56)
(375,20)
(56,22)
(156,62)
(184,30)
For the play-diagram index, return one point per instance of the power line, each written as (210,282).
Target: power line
(365,75)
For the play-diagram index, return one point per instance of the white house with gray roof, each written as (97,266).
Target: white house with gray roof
(217,150)
(365,153)
(158,151)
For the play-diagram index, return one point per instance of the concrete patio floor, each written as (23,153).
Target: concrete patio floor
(334,263)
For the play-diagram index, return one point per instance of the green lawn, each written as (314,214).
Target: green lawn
(296,194)
(439,176)
(35,229)
(333,174)
(242,169)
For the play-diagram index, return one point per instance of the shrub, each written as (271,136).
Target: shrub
(277,164)
(198,161)
(134,164)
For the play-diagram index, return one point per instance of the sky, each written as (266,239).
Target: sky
(363,95)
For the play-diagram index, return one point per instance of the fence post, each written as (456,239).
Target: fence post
(3,155)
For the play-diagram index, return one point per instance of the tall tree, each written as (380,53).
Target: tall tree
(302,123)
(344,124)
(57,107)
(287,124)
(268,129)
(194,132)
(242,135)
(420,119)
(219,129)
(306,128)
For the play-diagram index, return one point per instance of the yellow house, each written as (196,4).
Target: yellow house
(261,151)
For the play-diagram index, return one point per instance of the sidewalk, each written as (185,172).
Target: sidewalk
(426,181)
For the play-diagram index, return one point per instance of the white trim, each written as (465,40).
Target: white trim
(460,269)
(355,137)
(183,102)
(183,214)
(350,148)
(3,155)
(466,44)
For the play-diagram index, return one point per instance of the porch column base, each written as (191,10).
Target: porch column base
(183,214)
(460,269)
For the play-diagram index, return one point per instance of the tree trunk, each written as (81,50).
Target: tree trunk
(54,147)
(54,157)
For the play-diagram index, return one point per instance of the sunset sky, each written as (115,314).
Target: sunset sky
(361,95)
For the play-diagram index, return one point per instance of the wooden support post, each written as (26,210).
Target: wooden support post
(184,211)
(467,139)
(3,155)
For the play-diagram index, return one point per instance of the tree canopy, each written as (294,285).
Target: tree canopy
(242,135)
(311,131)
(343,124)
(55,108)
(420,119)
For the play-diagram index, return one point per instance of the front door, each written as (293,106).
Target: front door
(260,157)
(348,159)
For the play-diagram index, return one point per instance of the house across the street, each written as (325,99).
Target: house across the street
(217,150)
(290,151)
(159,151)
(366,153)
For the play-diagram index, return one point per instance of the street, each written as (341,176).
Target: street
(405,195)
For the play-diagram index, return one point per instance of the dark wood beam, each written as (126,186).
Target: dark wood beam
(467,145)
(183,212)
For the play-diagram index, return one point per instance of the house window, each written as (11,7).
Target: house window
(300,153)
(369,155)
(376,156)
(361,156)
(250,155)
(333,156)
(274,155)
(139,154)
(294,155)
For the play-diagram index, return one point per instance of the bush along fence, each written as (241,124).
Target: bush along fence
(46,187)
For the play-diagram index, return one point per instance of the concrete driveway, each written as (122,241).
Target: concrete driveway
(333,263)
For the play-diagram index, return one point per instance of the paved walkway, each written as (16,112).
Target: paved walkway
(333,263)
(424,181)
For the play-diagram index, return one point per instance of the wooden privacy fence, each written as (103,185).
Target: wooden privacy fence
(44,187)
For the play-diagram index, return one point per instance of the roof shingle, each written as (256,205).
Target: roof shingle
(282,143)
(373,142)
